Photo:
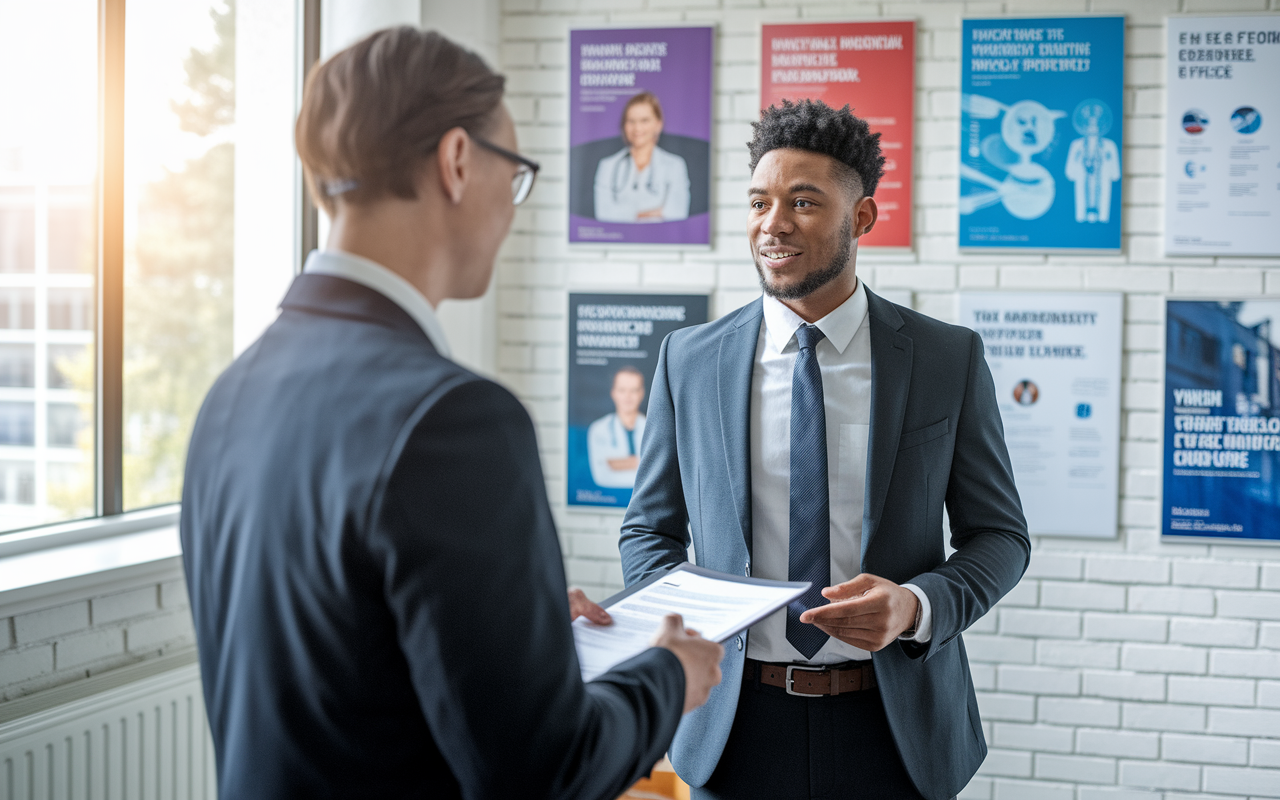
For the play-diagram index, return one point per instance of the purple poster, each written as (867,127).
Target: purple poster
(640,136)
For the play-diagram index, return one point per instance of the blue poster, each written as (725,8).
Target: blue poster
(1222,420)
(614,341)
(1041,111)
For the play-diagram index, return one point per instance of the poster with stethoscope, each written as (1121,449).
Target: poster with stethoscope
(1055,361)
(1222,136)
(640,136)
(614,341)
(1041,139)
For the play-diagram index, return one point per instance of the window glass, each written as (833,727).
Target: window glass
(17,483)
(66,423)
(67,363)
(48,181)
(18,366)
(71,309)
(17,423)
(72,242)
(17,308)
(17,229)
(180,122)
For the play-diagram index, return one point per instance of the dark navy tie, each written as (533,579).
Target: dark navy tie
(809,557)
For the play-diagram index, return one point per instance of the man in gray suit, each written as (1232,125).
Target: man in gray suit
(817,434)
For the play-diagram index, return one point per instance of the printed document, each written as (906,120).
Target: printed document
(715,604)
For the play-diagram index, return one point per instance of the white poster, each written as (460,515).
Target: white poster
(1222,142)
(1055,360)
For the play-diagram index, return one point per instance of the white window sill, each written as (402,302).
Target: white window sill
(40,565)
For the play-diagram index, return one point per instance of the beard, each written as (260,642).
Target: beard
(818,278)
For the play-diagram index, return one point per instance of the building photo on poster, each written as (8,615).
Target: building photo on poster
(1041,139)
(614,341)
(640,136)
(1222,420)
(1222,136)
(1055,360)
(870,67)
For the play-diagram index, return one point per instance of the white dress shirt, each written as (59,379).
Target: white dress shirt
(844,358)
(386,283)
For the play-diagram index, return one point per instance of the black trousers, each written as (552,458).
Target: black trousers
(783,747)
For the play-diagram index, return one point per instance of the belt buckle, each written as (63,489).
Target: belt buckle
(791,668)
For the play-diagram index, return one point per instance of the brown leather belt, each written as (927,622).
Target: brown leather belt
(813,681)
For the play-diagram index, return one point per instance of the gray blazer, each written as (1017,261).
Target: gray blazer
(936,438)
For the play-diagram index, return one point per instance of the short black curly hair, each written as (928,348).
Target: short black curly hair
(815,126)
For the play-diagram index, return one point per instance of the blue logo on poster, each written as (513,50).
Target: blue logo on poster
(1246,119)
(1193,169)
(1084,410)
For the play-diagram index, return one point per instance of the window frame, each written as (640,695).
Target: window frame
(110,518)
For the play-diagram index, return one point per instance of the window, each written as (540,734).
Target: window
(49,143)
(65,424)
(18,366)
(17,483)
(71,309)
(180,140)
(17,423)
(17,229)
(142,243)
(17,308)
(72,240)
(69,364)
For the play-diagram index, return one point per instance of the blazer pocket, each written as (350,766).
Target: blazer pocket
(925,434)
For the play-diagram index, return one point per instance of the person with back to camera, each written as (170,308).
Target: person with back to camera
(642,182)
(821,432)
(375,577)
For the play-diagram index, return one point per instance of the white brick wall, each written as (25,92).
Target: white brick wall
(1119,669)
(68,642)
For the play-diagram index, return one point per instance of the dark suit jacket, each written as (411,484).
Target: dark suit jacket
(377,584)
(936,438)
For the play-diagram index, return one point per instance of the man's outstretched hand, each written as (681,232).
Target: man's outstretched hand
(867,611)
(581,606)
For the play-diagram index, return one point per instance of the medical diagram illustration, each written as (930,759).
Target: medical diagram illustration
(1027,189)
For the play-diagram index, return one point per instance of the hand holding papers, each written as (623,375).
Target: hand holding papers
(715,604)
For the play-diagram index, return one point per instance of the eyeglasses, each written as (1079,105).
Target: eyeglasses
(522,183)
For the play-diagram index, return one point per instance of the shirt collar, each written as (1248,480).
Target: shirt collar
(838,327)
(386,283)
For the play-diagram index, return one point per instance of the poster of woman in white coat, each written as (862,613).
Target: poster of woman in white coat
(640,108)
(642,182)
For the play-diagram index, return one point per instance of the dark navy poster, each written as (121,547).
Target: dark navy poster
(1041,139)
(614,341)
(1222,420)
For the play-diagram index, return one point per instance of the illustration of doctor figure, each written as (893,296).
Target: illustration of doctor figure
(613,441)
(642,182)
(1093,163)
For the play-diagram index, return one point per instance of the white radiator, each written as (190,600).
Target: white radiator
(146,740)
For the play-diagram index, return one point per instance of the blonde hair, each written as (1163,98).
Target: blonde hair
(642,97)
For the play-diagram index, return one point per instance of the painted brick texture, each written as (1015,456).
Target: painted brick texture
(65,643)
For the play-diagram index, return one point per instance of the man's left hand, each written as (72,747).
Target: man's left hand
(868,612)
(581,606)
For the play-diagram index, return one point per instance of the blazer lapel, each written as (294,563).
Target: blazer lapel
(737,356)
(890,383)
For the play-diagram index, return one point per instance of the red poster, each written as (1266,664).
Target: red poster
(871,67)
